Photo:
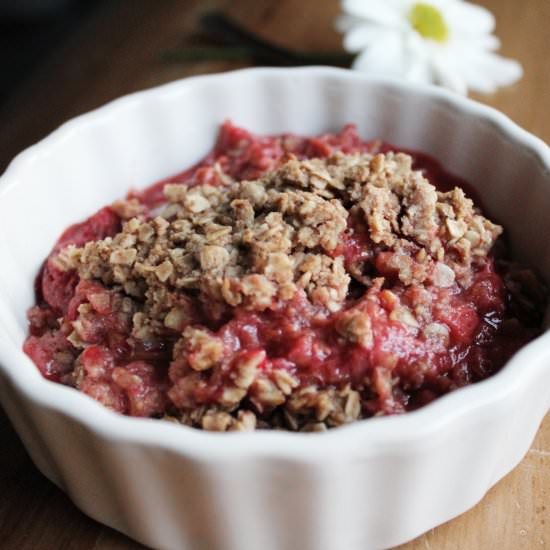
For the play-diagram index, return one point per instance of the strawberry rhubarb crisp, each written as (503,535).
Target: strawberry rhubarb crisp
(284,282)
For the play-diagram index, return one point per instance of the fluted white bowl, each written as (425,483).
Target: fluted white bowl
(369,485)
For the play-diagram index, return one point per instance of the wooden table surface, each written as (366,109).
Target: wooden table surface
(119,51)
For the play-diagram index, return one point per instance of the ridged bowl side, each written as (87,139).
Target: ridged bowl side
(373,484)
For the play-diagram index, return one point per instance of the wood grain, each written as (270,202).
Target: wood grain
(117,52)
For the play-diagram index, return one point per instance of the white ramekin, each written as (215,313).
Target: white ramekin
(373,484)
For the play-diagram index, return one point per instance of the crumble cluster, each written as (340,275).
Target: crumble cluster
(253,244)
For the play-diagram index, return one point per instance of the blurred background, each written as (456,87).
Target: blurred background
(61,58)
(31,29)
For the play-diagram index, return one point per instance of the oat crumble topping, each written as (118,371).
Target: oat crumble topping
(254,242)
(357,243)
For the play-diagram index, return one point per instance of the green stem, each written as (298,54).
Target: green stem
(208,53)
(245,53)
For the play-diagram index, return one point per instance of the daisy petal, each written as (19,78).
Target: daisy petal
(500,71)
(447,75)
(417,65)
(467,18)
(487,42)
(386,56)
(484,42)
(362,36)
(418,71)
(375,11)
(478,81)
(483,71)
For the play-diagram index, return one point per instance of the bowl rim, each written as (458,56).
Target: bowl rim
(373,436)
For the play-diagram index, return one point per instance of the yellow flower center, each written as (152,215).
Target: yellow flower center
(429,22)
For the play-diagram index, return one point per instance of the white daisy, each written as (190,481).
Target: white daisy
(446,42)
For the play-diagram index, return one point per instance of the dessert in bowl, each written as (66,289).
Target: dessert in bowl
(314,490)
(284,282)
